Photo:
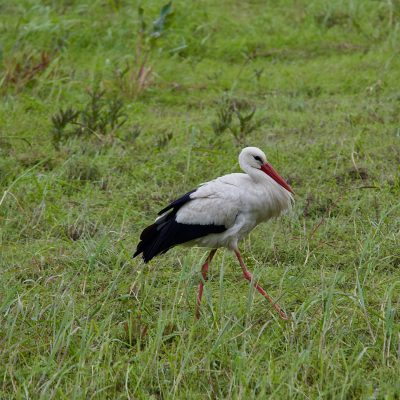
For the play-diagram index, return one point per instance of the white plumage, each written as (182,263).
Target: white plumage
(221,212)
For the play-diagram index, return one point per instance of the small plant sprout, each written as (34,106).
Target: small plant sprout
(24,69)
(136,77)
(101,117)
(238,117)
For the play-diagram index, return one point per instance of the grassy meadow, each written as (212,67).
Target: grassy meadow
(109,109)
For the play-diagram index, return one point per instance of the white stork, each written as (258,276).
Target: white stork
(220,213)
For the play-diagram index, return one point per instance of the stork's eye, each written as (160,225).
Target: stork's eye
(257,158)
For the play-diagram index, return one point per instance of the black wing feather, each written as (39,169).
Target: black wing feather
(166,232)
(178,203)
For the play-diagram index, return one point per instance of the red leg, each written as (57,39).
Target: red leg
(248,276)
(204,270)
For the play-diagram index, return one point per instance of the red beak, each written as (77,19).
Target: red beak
(267,168)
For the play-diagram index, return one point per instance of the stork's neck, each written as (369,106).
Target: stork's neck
(255,174)
(277,199)
(261,178)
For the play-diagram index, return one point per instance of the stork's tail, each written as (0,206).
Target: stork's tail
(149,245)
(166,233)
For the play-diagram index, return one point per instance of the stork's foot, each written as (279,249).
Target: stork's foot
(248,276)
(204,270)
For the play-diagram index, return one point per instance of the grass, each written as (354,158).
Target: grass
(79,318)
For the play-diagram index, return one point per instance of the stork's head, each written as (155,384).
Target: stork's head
(252,159)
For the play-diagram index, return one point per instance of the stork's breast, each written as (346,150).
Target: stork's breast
(272,204)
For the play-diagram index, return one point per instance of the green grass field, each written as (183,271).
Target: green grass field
(107,115)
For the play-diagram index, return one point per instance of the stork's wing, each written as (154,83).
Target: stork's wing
(178,203)
(168,232)
(215,203)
